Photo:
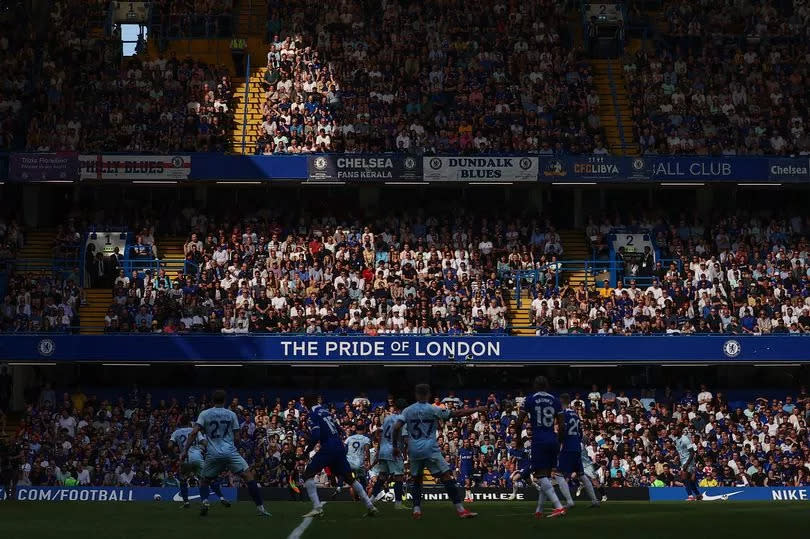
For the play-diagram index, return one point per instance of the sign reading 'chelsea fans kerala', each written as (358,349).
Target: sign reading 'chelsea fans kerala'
(364,168)
(480,169)
(134,167)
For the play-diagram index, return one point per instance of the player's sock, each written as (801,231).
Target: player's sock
(183,488)
(588,486)
(416,494)
(540,500)
(215,486)
(255,493)
(602,491)
(312,490)
(398,491)
(451,487)
(361,493)
(562,483)
(204,492)
(377,488)
(548,490)
(696,488)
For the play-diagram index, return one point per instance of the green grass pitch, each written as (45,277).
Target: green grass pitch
(344,520)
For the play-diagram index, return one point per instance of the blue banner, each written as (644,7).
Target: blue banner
(403,167)
(740,494)
(110,494)
(403,349)
(218,167)
(364,168)
(664,168)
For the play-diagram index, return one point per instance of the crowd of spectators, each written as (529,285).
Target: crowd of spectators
(41,301)
(452,76)
(418,274)
(726,78)
(17,56)
(630,437)
(88,99)
(740,274)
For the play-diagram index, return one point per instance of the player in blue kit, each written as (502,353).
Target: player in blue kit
(544,412)
(521,459)
(387,466)
(221,427)
(324,430)
(192,467)
(570,460)
(421,419)
(687,453)
(466,458)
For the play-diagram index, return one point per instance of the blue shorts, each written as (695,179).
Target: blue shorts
(215,464)
(570,462)
(433,461)
(525,473)
(334,460)
(390,467)
(544,456)
(194,462)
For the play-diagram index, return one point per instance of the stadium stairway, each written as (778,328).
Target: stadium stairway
(614,109)
(171,250)
(93,311)
(38,245)
(247,114)
(519,316)
(575,248)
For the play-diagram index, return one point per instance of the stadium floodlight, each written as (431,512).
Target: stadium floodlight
(682,184)
(217,364)
(241,182)
(125,364)
(573,183)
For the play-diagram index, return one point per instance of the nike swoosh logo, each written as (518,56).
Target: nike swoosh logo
(178,498)
(707,498)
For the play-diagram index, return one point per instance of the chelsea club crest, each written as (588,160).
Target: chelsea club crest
(46,347)
(732,348)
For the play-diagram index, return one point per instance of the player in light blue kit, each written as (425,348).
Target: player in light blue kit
(421,419)
(221,427)
(388,466)
(357,446)
(687,452)
(325,432)
(192,467)
(570,460)
(544,411)
(589,468)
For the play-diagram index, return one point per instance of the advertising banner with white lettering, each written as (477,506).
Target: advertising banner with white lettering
(134,167)
(438,493)
(739,494)
(109,494)
(364,168)
(480,169)
(43,167)
(582,168)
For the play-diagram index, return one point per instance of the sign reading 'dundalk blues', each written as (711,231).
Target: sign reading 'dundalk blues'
(480,169)
(364,168)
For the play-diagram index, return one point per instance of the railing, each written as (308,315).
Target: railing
(592,269)
(154,265)
(246,104)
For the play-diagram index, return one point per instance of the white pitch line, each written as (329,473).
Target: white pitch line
(299,531)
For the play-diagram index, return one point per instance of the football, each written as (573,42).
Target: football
(157,497)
